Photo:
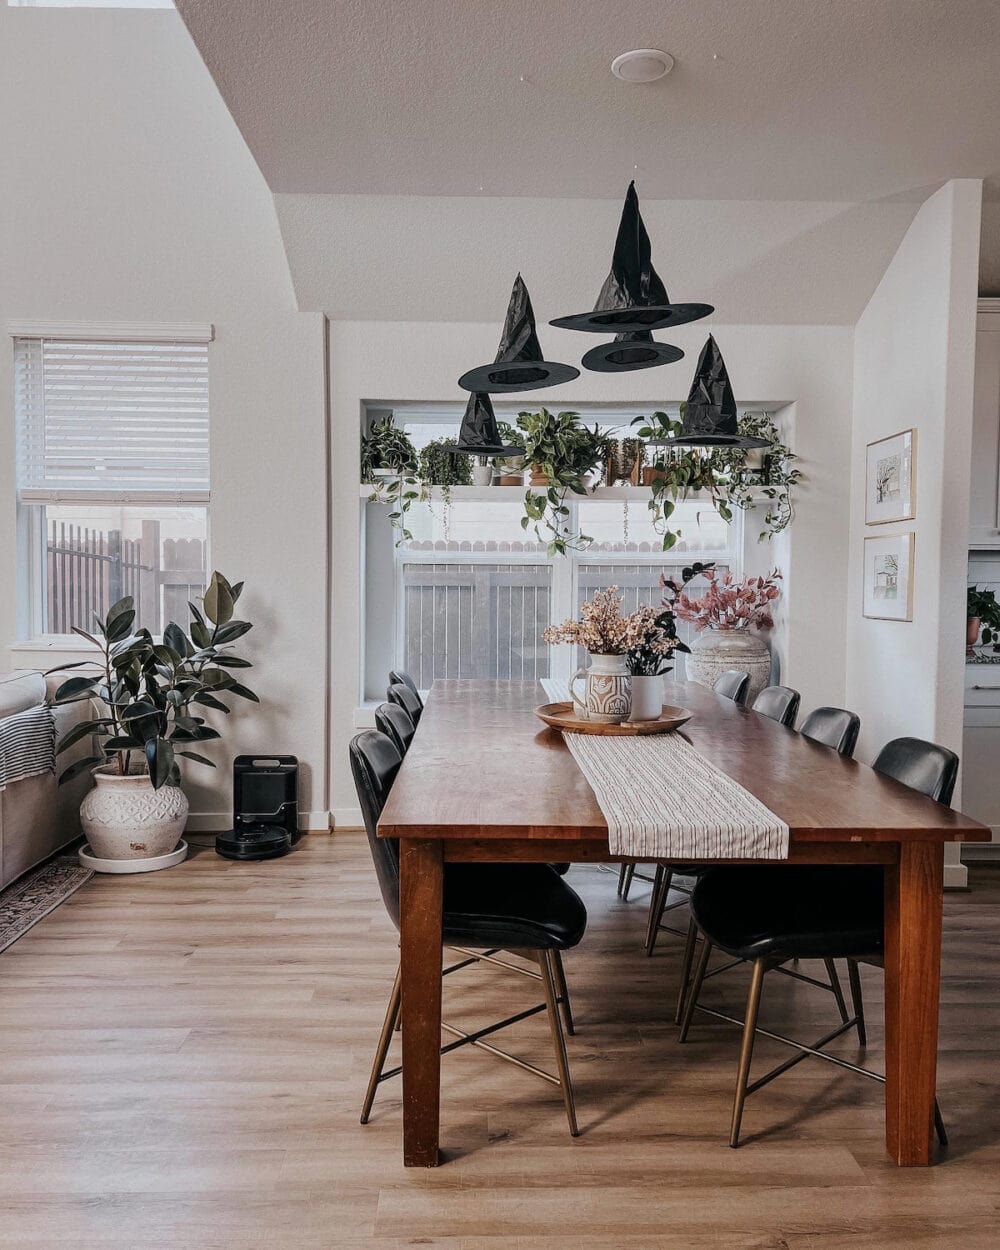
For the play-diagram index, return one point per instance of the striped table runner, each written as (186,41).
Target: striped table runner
(663,800)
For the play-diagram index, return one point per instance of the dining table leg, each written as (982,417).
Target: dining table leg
(421,898)
(914,891)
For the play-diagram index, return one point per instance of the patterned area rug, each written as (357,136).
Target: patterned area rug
(25,902)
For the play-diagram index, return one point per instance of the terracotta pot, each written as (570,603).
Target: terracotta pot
(651,474)
(125,818)
(511,479)
(538,478)
(715,651)
(972,627)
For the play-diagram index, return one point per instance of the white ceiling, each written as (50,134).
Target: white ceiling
(827,100)
(400,258)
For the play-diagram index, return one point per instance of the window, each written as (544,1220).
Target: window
(113,478)
(470,596)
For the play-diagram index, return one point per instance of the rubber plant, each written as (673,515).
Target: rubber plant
(562,449)
(151,693)
(388,453)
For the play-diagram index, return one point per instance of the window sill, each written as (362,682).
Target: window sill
(53,643)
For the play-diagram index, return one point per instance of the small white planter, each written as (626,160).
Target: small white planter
(124,818)
(482,474)
(647,698)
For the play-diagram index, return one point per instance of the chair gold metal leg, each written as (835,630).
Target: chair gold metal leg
(385,1037)
(657,905)
(546,963)
(695,990)
(838,993)
(746,1048)
(689,948)
(854,976)
(562,990)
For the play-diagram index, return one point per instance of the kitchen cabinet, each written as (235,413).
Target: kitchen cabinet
(984,498)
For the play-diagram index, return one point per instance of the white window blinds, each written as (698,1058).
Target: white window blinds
(125,420)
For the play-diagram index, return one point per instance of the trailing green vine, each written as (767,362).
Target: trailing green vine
(564,451)
(389,464)
(724,475)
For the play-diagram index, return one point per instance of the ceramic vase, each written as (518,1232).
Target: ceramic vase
(647,698)
(482,474)
(607,696)
(125,818)
(716,651)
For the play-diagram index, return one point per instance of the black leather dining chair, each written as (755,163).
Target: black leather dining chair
(832,727)
(770,915)
(394,721)
(407,699)
(780,703)
(400,677)
(488,909)
(734,684)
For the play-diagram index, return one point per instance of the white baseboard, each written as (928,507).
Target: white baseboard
(215,822)
(956,877)
(347,818)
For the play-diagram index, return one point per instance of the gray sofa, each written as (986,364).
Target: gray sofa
(37,816)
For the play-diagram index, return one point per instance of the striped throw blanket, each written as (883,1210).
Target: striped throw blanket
(27,744)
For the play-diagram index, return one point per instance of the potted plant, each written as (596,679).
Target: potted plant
(647,659)
(982,612)
(624,461)
(724,617)
(509,470)
(608,636)
(389,463)
(562,453)
(151,695)
(444,468)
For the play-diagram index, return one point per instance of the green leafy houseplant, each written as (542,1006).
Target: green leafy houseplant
(151,692)
(726,476)
(441,467)
(564,451)
(745,476)
(982,605)
(388,453)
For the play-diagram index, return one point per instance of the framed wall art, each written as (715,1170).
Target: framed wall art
(891,479)
(888,591)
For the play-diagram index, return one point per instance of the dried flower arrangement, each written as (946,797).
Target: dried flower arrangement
(603,630)
(729,604)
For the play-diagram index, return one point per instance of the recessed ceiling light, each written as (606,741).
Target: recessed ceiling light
(642,65)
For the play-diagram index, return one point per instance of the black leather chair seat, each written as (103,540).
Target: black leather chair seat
(510,906)
(798,912)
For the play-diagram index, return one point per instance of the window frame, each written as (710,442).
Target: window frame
(32,502)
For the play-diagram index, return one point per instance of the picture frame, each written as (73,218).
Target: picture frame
(888,577)
(891,479)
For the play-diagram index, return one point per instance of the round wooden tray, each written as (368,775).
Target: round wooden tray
(562,716)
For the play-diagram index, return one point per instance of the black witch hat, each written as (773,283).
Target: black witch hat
(633,297)
(710,418)
(630,351)
(519,365)
(479,434)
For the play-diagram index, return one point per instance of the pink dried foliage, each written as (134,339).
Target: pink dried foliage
(729,604)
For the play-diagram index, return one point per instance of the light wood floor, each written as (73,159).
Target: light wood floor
(183,1055)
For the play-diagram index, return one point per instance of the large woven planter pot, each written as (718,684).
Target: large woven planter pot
(125,818)
(715,651)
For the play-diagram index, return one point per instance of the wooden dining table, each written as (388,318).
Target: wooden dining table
(484,780)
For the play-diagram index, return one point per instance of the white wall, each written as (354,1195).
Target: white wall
(130,196)
(807,368)
(914,362)
(914,365)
